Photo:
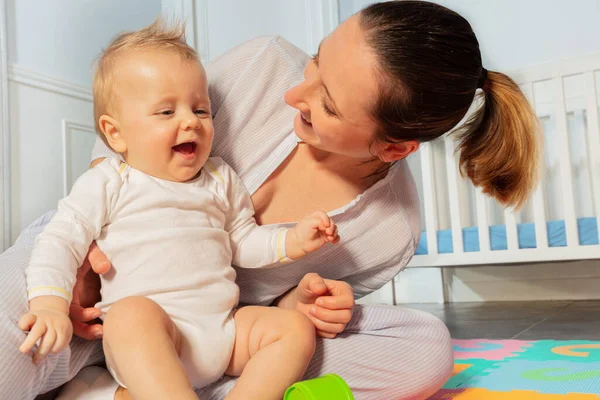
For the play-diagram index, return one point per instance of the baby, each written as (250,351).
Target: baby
(172,221)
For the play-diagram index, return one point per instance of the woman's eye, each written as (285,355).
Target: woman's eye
(327,110)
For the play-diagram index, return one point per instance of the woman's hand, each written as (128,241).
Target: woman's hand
(326,302)
(86,293)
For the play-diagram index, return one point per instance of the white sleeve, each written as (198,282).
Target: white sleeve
(61,248)
(253,246)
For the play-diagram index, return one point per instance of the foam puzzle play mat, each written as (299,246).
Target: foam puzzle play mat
(523,370)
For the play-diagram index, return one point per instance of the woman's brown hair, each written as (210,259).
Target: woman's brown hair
(431,67)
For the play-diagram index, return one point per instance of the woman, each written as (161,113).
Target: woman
(387,79)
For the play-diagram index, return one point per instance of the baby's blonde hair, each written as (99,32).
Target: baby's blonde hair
(160,35)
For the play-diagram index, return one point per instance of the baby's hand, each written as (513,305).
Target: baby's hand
(52,326)
(310,234)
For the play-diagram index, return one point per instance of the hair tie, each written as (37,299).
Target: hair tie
(482,78)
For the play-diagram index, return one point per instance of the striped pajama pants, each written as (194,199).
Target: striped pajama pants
(386,352)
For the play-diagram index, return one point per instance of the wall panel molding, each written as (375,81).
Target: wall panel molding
(68,129)
(28,77)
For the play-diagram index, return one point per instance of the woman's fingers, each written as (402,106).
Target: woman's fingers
(310,287)
(78,313)
(98,260)
(335,302)
(80,317)
(317,285)
(326,335)
(86,331)
(327,326)
(331,316)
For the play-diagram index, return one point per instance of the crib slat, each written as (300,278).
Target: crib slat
(565,164)
(510,221)
(482,221)
(539,214)
(452,175)
(429,199)
(593,139)
(539,208)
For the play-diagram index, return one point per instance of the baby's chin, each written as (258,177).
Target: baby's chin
(185,175)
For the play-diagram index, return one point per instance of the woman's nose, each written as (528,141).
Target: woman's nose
(299,95)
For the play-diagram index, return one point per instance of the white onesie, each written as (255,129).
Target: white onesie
(171,242)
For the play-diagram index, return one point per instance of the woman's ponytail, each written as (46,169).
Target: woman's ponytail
(431,68)
(500,148)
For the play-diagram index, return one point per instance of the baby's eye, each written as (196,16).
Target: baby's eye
(167,112)
(200,112)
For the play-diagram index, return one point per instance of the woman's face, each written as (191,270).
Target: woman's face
(337,95)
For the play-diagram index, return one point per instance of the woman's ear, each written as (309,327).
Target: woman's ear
(389,152)
(110,128)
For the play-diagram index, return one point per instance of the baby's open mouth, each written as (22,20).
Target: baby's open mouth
(186,149)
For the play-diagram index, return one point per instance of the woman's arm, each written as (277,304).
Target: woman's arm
(86,293)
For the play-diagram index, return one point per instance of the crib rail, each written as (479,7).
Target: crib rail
(552,107)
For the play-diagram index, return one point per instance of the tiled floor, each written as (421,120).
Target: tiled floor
(559,320)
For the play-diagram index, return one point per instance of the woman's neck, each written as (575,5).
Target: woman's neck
(362,172)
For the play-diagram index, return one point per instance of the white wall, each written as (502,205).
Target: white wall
(223,24)
(251,19)
(61,38)
(515,34)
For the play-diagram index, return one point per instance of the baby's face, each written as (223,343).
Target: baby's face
(163,114)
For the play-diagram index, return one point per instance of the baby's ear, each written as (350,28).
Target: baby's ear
(110,128)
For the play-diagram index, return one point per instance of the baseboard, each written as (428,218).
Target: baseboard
(576,280)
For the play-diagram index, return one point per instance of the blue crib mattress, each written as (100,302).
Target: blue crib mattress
(587,229)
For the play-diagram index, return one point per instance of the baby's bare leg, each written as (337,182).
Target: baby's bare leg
(141,344)
(272,349)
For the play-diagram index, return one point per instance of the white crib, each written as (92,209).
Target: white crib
(461,227)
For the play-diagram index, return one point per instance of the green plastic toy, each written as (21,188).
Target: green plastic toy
(326,387)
